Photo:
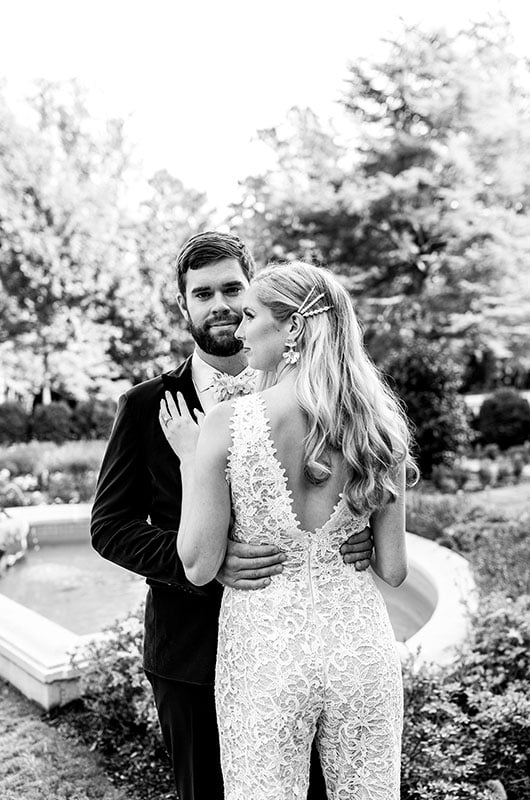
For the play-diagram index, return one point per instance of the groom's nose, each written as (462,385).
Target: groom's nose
(219,303)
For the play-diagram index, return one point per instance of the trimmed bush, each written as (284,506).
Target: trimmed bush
(52,423)
(14,423)
(428,382)
(93,419)
(504,419)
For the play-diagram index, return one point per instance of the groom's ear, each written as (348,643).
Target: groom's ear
(181,301)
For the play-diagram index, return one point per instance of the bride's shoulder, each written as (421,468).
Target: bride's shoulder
(220,413)
(281,402)
(215,432)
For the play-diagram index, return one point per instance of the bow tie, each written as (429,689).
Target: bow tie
(226,387)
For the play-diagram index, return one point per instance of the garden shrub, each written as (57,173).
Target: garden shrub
(438,761)
(70,487)
(76,457)
(430,515)
(468,726)
(45,472)
(518,463)
(14,423)
(118,715)
(497,548)
(447,478)
(504,418)
(115,690)
(93,419)
(52,423)
(27,458)
(427,382)
(487,474)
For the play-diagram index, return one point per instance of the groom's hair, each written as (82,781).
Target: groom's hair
(208,247)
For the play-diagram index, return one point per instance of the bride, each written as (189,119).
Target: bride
(314,456)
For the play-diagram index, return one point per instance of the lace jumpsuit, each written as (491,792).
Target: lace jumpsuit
(313,653)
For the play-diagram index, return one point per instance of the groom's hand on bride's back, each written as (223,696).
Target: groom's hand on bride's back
(358,548)
(249,566)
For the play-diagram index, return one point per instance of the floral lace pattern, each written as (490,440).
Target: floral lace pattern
(313,654)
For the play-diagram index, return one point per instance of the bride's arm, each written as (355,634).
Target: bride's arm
(389,560)
(203,531)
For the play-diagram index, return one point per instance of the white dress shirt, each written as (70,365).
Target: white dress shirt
(203,376)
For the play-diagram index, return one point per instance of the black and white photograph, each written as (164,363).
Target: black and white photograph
(264,400)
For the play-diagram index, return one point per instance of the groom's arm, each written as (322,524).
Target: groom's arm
(249,566)
(358,549)
(119,524)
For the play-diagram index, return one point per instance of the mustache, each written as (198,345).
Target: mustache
(226,319)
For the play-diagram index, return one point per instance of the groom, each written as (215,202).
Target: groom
(136,514)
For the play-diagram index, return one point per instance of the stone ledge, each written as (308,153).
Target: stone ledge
(53,523)
(35,655)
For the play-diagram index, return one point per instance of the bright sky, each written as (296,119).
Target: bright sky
(197,78)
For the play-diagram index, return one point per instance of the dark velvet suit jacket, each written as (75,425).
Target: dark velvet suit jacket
(134,523)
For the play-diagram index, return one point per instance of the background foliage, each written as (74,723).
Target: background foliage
(416,194)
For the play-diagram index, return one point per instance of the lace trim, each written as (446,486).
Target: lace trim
(253,462)
(273,452)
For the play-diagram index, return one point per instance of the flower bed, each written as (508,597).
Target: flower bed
(44,472)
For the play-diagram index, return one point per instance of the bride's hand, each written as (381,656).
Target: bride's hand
(179,427)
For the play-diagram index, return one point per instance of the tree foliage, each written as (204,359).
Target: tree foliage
(422,203)
(86,289)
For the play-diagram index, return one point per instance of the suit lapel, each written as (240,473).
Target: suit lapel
(180,380)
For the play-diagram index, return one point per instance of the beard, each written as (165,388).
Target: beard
(215,343)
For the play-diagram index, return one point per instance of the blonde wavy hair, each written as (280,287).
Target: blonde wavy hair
(348,405)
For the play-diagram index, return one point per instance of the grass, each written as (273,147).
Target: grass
(512,500)
(39,762)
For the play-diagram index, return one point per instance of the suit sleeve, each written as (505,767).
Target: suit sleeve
(119,528)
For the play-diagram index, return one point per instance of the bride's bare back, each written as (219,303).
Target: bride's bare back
(312,503)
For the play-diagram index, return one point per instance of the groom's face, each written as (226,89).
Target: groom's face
(212,305)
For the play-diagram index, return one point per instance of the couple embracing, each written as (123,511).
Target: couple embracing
(247,486)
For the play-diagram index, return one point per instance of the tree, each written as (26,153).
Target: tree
(87,277)
(445,120)
(149,335)
(290,211)
(419,206)
(61,215)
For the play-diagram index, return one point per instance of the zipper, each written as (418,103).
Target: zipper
(311,592)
